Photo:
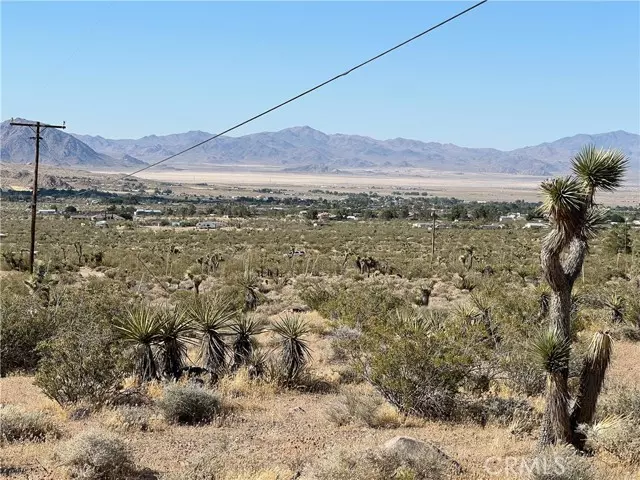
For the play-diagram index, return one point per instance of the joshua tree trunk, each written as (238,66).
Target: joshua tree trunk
(560,276)
(555,423)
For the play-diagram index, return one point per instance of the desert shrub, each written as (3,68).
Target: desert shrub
(617,435)
(190,405)
(560,462)
(131,419)
(354,305)
(205,466)
(86,364)
(342,339)
(503,411)
(368,409)
(380,464)
(419,367)
(85,360)
(622,402)
(25,323)
(96,455)
(17,425)
(523,374)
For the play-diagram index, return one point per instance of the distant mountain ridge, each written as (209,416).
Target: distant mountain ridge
(303,149)
(57,148)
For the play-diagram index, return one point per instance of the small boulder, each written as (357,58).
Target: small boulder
(186,285)
(409,447)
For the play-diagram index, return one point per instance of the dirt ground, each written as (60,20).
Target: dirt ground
(271,435)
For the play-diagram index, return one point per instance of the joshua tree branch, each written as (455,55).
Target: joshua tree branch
(575,259)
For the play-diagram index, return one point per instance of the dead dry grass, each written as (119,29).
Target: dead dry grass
(274,432)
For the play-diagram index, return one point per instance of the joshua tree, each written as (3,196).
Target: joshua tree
(295,350)
(176,332)
(142,328)
(211,318)
(569,203)
(244,329)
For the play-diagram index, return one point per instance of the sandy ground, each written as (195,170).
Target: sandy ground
(467,186)
(284,432)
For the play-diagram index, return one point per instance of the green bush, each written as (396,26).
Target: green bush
(24,324)
(189,405)
(420,367)
(353,305)
(86,365)
(17,425)
(97,455)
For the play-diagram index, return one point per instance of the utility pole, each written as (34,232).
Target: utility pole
(433,235)
(39,127)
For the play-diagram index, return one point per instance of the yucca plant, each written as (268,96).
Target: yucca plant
(569,202)
(592,374)
(176,333)
(615,304)
(483,308)
(553,350)
(244,329)
(295,351)
(141,327)
(211,317)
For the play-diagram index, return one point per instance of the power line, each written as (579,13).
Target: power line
(306,92)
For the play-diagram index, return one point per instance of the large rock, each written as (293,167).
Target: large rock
(409,447)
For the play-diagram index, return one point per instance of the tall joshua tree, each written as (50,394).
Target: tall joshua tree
(570,204)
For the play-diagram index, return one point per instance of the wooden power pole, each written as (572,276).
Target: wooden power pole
(433,235)
(39,127)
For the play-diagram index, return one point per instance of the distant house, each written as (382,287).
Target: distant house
(146,213)
(47,212)
(491,227)
(536,225)
(511,217)
(208,225)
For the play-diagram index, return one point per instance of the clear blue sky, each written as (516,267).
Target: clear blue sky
(505,75)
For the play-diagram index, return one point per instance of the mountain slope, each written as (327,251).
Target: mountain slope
(56,148)
(306,149)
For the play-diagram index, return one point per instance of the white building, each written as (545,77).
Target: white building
(536,225)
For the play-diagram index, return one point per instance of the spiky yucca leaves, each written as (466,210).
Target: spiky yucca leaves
(141,327)
(244,329)
(211,317)
(419,322)
(615,303)
(295,351)
(553,352)
(176,333)
(592,376)
(483,307)
(564,201)
(599,169)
